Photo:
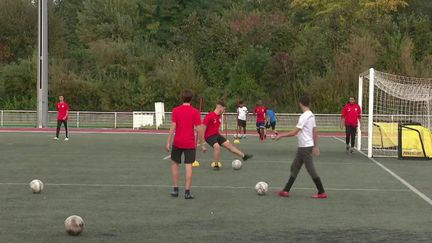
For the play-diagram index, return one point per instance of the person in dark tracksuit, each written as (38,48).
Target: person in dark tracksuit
(351,114)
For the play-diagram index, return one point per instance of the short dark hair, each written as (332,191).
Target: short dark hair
(304,100)
(241,102)
(187,95)
(259,103)
(221,103)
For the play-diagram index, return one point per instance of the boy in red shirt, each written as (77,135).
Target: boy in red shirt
(62,117)
(212,123)
(351,114)
(184,119)
(260,112)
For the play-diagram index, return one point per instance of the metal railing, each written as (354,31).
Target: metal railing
(89,119)
(77,119)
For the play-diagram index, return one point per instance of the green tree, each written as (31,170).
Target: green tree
(18,85)
(18,29)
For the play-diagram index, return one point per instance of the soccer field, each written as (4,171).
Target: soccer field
(120,184)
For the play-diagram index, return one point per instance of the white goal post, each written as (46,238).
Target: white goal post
(387,101)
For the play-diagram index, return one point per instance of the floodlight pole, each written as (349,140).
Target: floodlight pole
(42,79)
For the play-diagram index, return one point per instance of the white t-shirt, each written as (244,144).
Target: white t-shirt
(242,111)
(306,124)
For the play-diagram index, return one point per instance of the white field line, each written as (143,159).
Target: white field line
(87,132)
(198,186)
(288,162)
(404,182)
(129,132)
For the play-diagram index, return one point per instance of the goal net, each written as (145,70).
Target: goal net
(392,105)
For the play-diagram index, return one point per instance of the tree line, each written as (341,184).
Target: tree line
(124,55)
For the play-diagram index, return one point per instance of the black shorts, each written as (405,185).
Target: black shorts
(260,125)
(216,139)
(176,154)
(271,124)
(241,123)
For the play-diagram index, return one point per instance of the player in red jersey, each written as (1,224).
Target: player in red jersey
(260,111)
(351,114)
(62,117)
(184,119)
(212,123)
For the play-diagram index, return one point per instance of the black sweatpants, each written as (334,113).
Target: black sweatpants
(350,135)
(59,122)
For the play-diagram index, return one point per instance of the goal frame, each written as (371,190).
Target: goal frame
(371,75)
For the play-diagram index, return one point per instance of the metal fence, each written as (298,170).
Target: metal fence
(88,119)
(78,119)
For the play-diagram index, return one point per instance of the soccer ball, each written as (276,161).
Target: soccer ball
(74,225)
(36,186)
(261,188)
(236,164)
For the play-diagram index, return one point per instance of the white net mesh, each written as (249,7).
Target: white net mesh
(397,99)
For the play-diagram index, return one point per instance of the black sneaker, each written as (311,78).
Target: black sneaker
(174,194)
(189,196)
(247,156)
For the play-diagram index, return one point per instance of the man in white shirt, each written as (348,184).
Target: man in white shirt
(307,146)
(241,119)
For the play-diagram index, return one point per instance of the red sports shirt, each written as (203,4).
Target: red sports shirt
(260,111)
(186,118)
(351,113)
(62,109)
(212,122)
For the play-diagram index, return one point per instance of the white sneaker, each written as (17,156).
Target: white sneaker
(55,138)
(66,139)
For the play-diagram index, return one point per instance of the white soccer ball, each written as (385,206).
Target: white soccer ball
(74,225)
(36,186)
(261,188)
(236,164)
